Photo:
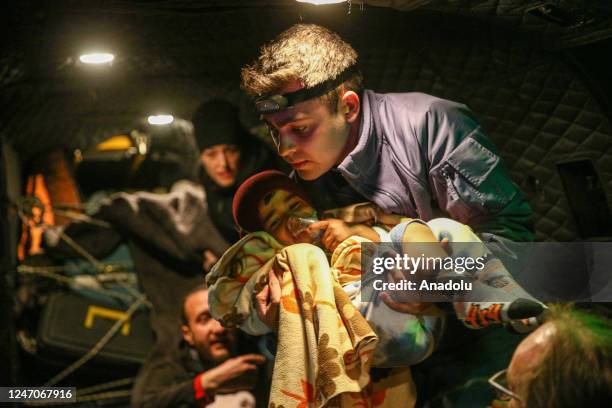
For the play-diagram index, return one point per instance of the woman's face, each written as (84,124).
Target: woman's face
(221,163)
(278,209)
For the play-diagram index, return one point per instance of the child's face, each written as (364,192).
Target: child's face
(277,208)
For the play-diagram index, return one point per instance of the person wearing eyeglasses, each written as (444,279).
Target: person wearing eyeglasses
(411,154)
(565,363)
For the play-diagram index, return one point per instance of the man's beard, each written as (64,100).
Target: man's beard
(208,356)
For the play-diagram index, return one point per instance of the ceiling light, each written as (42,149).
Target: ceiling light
(317,2)
(160,119)
(97,58)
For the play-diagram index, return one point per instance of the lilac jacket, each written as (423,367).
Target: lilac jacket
(427,157)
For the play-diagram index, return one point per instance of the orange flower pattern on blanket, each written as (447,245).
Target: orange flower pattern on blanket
(309,308)
(325,346)
(356,325)
(391,389)
(328,367)
(289,296)
(304,400)
(352,360)
(346,261)
(295,301)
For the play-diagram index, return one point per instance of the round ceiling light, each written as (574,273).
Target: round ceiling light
(317,2)
(160,119)
(97,58)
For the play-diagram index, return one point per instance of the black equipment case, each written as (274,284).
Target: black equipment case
(73,325)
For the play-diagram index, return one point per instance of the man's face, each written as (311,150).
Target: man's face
(278,209)
(212,341)
(313,139)
(221,163)
(526,359)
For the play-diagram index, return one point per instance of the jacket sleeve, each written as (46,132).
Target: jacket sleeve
(467,176)
(165,386)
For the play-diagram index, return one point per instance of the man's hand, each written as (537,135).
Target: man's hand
(219,379)
(268,301)
(337,231)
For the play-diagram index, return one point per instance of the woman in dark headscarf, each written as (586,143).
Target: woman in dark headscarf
(228,156)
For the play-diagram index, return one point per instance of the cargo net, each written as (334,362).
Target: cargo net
(104,281)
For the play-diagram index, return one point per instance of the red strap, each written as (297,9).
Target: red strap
(201,397)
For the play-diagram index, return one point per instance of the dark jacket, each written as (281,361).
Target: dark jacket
(168,382)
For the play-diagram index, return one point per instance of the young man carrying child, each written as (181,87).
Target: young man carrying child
(271,202)
(409,153)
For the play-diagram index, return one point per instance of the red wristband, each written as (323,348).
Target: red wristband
(201,396)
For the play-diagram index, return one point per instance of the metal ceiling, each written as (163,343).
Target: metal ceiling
(173,54)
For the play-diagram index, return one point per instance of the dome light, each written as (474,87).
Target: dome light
(317,2)
(97,58)
(159,120)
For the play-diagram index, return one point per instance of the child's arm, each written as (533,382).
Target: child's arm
(337,231)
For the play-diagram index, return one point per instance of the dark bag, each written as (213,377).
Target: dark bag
(72,325)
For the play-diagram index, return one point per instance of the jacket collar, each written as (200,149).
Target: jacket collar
(361,160)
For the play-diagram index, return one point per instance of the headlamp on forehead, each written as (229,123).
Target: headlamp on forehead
(271,104)
(276,103)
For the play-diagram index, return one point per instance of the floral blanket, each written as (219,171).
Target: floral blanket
(325,346)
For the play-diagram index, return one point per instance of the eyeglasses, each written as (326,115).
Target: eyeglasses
(499,381)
